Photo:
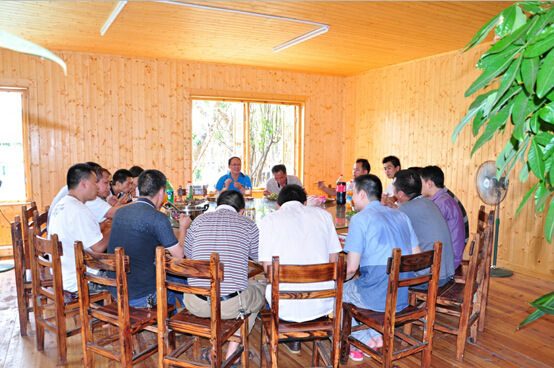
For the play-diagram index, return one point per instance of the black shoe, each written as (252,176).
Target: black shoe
(293,346)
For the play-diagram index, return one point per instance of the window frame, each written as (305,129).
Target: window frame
(24,91)
(298,130)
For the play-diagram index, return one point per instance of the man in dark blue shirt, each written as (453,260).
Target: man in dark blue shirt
(139,229)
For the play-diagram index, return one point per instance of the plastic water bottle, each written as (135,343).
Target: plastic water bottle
(190,191)
(170,192)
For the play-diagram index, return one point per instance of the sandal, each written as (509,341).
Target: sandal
(205,356)
(239,363)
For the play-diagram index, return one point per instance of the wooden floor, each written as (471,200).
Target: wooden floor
(499,345)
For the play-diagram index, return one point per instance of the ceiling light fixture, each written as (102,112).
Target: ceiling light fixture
(112,17)
(307,36)
(322,27)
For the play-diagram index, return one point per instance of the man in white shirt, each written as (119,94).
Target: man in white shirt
(72,220)
(391,165)
(299,235)
(279,180)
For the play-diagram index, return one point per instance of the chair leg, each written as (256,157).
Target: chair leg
(345,332)
(315,355)
(22,303)
(39,328)
(263,343)
(246,352)
(461,340)
(61,336)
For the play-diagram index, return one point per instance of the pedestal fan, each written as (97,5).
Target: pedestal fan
(492,191)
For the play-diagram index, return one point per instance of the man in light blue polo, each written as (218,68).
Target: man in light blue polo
(373,233)
(234,180)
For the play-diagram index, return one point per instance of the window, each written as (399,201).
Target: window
(262,134)
(12,145)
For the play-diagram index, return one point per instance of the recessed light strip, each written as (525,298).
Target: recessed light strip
(112,17)
(322,27)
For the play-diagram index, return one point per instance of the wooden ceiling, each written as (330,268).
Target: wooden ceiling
(362,35)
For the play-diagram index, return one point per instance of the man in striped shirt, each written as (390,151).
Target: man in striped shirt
(235,238)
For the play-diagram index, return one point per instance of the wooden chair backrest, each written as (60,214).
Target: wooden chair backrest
(480,254)
(482,219)
(18,249)
(412,263)
(26,224)
(45,259)
(118,263)
(39,221)
(302,274)
(211,270)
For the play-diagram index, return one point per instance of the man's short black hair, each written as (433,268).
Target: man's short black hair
(121,176)
(291,192)
(433,173)
(409,182)
(275,169)
(415,168)
(365,164)
(371,185)
(136,171)
(92,164)
(77,173)
(99,171)
(393,160)
(231,159)
(232,198)
(150,182)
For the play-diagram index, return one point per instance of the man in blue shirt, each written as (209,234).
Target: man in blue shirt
(373,233)
(234,180)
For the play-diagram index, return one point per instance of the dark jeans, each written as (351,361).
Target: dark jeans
(425,286)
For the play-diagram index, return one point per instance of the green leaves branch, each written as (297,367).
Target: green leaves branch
(518,76)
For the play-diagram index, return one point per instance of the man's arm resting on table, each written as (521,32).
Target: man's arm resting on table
(352,264)
(178,250)
(102,245)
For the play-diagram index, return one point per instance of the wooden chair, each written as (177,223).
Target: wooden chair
(20,242)
(215,329)
(386,322)
(48,295)
(275,330)
(128,320)
(464,299)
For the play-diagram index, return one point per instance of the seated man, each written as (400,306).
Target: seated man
(391,164)
(121,186)
(234,180)
(63,192)
(427,220)
(99,206)
(235,238)
(361,167)
(139,228)
(284,233)
(135,171)
(72,220)
(432,180)
(279,180)
(373,233)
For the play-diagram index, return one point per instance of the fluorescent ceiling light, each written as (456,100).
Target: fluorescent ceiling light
(302,38)
(112,17)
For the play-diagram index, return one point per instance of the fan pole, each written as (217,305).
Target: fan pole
(498,271)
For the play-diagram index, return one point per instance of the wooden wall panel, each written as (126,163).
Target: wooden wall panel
(410,110)
(122,111)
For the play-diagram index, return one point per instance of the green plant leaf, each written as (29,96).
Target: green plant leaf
(533,104)
(536,161)
(518,115)
(545,77)
(511,19)
(543,138)
(493,125)
(511,92)
(524,173)
(490,73)
(549,226)
(474,108)
(534,124)
(508,78)
(482,33)
(549,149)
(520,154)
(15,43)
(532,317)
(546,299)
(540,30)
(486,61)
(529,71)
(531,8)
(512,38)
(506,156)
(526,198)
(546,113)
(544,308)
(541,201)
(540,47)
(541,189)
(478,122)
